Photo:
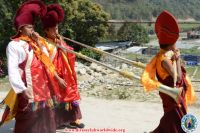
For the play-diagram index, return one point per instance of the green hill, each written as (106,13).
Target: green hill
(148,9)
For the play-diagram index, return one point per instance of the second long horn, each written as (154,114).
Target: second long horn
(135,63)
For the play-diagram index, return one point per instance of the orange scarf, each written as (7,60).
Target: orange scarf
(39,54)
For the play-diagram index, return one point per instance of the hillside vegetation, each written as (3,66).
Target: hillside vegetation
(149,9)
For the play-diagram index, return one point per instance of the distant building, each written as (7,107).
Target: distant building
(150,51)
(135,49)
(191,60)
(143,50)
(193,34)
(110,46)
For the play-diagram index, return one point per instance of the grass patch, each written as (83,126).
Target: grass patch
(3,80)
(138,57)
(193,51)
(190,71)
(4,84)
(186,27)
(183,27)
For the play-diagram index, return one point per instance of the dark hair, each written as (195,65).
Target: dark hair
(165,46)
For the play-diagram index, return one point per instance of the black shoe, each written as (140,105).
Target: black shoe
(71,127)
(74,124)
(66,125)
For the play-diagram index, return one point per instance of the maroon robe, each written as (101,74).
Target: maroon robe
(173,112)
(41,120)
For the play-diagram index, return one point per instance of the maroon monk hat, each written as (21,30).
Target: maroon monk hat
(166,28)
(54,15)
(26,13)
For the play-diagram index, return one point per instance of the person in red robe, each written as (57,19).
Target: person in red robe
(31,75)
(167,67)
(69,110)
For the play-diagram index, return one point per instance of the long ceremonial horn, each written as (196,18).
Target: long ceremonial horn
(173,92)
(135,63)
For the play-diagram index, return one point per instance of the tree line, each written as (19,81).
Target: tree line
(85,21)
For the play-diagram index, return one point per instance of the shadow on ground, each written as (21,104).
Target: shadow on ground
(7,128)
